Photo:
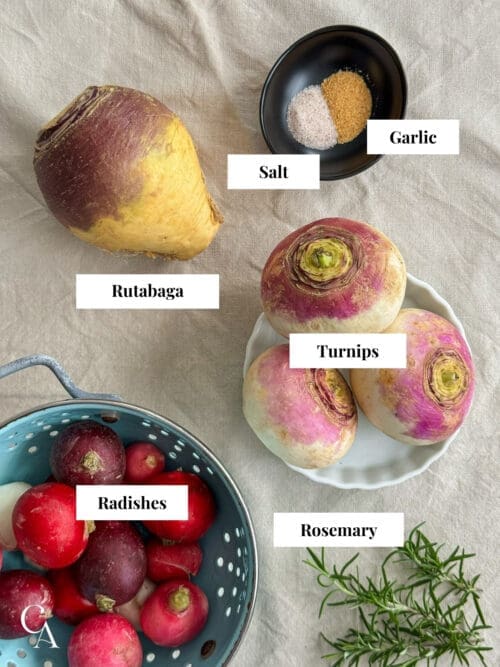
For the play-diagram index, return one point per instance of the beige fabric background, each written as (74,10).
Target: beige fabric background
(207,61)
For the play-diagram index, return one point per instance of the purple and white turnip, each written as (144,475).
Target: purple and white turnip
(333,276)
(427,401)
(307,417)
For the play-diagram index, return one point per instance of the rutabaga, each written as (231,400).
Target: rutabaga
(427,401)
(333,276)
(306,417)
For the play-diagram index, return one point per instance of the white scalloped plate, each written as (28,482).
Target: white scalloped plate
(374,460)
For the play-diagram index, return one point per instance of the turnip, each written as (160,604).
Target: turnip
(120,170)
(175,613)
(69,604)
(22,590)
(45,526)
(172,561)
(201,509)
(427,401)
(105,640)
(87,452)
(9,495)
(131,610)
(335,276)
(143,461)
(113,567)
(306,417)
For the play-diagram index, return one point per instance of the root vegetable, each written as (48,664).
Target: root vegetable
(143,461)
(45,526)
(113,567)
(131,610)
(22,590)
(106,640)
(9,495)
(87,452)
(120,170)
(175,613)
(306,417)
(427,401)
(201,509)
(335,276)
(172,561)
(70,605)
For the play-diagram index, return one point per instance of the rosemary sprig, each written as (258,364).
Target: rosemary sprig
(406,623)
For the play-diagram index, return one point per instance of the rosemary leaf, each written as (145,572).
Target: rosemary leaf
(410,622)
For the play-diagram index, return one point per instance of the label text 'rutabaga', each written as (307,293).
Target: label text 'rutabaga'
(148,292)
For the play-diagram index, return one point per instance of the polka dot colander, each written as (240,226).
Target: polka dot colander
(229,570)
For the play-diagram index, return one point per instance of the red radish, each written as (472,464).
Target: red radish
(201,509)
(88,453)
(175,613)
(20,589)
(70,605)
(428,400)
(131,610)
(172,561)
(9,495)
(45,526)
(143,460)
(333,276)
(113,567)
(105,640)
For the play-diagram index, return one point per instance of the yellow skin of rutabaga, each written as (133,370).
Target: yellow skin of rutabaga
(178,216)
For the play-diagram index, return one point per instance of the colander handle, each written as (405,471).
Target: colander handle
(59,372)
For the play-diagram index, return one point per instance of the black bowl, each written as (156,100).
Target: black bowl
(313,58)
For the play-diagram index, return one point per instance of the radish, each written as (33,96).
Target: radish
(306,417)
(335,276)
(143,461)
(175,613)
(70,605)
(428,400)
(22,590)
(105,640)
(45,526)
(172,561)
(9,495)
(201,509)
(88,453)
(131,610)
(113,567)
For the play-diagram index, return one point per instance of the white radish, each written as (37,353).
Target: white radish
(131,610)
(9,494)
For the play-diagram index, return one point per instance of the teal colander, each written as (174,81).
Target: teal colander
(229,570)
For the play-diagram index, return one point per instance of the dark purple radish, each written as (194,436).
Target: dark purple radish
(106,640)
(88,453)
(113,566)
(19,590)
